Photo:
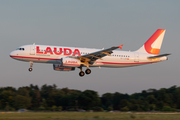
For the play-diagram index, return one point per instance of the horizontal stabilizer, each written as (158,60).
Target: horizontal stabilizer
(158,56)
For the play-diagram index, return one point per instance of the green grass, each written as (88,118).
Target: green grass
(88,116)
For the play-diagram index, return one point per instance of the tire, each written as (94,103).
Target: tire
(88,71)
(30,69)
(81,74)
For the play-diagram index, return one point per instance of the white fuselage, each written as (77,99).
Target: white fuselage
(53,54)
(69,58)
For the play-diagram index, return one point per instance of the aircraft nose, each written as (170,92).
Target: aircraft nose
(13,53)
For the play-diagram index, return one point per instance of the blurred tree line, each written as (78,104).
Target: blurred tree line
(51,98)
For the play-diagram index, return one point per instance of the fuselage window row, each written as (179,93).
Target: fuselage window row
(73,52)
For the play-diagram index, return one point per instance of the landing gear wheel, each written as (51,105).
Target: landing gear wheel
(88,71)
(30,69)
(81,74)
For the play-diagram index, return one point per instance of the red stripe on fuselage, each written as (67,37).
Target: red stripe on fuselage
(32,57)
(96,61)
(124,63)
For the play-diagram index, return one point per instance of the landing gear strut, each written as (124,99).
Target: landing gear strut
(30,69)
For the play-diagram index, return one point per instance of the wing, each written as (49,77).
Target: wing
(90,58)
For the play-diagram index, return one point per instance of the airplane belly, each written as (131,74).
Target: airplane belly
(118,62)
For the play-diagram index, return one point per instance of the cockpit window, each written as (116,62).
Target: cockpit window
(20,49)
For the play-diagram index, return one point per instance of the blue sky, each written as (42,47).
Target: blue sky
(91,24)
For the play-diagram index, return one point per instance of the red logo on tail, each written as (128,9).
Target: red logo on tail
(151,40)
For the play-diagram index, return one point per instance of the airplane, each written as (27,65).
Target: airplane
(68,58)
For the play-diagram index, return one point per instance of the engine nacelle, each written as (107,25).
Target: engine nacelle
(70,62)
(59,67)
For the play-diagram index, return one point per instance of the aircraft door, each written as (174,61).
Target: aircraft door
(32,50)
(136,57)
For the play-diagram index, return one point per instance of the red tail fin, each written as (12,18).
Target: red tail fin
(153,44)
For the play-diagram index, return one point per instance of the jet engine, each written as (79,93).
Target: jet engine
(70,62)
(59,67)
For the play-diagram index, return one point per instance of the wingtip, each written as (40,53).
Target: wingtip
(120,46)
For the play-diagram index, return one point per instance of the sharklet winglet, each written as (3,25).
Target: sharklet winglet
(120,46)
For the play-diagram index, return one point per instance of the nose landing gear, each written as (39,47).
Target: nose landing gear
(30,69)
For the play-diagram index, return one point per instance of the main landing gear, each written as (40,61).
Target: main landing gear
(81,73)
(30,69)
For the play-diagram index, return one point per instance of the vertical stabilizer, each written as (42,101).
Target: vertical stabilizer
(153,44)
